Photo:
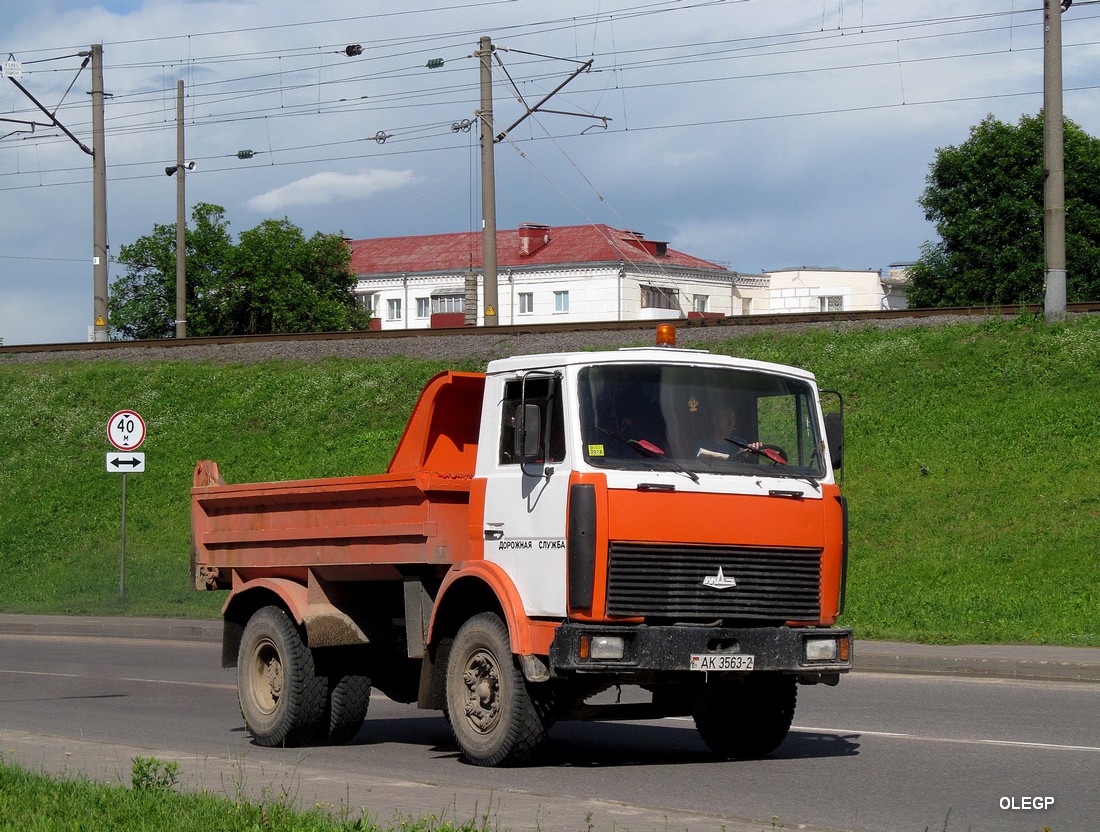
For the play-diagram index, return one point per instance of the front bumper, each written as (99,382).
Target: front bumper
(669,648)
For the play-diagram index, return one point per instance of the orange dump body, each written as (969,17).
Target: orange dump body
(349,528)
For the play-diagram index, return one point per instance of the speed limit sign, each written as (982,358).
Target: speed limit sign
(126,430)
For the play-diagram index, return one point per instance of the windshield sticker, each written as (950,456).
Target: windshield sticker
(595,450)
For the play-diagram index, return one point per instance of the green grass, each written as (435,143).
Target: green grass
(60,523)
(31,802)
(997,542)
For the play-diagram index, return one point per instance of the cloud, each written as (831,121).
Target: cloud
(327,187)
(759,134)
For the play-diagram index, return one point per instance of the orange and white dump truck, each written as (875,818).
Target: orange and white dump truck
(558,525)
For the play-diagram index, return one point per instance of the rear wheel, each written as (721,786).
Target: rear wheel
(493,717)
(348,700)
(750,718)
(282,698)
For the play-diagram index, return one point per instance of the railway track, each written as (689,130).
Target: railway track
(519,330)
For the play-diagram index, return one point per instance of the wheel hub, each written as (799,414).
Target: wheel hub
(482,680)
(269,675)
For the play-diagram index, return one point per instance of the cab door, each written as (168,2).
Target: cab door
(527,488)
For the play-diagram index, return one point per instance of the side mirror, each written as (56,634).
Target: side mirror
(528,432)
(834,434)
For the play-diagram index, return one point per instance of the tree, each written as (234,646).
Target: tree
(272,280)
(143,301)
(985,197)
(282,282)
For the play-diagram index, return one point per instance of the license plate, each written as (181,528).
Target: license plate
(722,661)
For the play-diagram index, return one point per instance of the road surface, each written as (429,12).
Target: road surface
(879,753)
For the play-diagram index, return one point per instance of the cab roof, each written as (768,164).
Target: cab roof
(640,355)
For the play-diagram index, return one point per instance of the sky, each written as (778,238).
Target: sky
(759,134)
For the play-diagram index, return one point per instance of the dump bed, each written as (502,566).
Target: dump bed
(349,527)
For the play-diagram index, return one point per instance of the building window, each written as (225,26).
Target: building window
(393,309)
(526,303)
(654,297)
(368,303)
(561,301)
(699,302)
(423,307)
(831,303)
(445,304)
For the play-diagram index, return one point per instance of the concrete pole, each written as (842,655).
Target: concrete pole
(488,187)
(181,221)
(1054,185)
(100,330)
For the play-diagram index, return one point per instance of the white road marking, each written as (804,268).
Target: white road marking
(848,732)
(955,740)
(121,679)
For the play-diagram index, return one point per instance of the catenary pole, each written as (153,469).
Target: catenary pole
(100,330)
(181,220)
(488,187)
(1054,184)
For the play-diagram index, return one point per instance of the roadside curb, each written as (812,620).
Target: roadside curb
(993,661)
(171,629)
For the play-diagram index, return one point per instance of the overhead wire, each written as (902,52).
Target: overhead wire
(457,94)
(361,77)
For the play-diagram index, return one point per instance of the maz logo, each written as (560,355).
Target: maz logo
(719,581)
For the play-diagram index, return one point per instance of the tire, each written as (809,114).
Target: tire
(283,700)
(493,717)
(348,700)
(749,719)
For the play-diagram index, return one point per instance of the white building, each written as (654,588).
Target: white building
(835,290)
(545,274)
(583,273)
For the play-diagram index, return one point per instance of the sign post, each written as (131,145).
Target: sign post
(126,431)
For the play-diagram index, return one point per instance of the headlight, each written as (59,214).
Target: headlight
(821,650)
(602,647)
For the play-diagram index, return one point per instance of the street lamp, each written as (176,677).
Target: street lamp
(181,242)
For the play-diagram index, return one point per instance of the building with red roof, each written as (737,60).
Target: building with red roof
(545,274)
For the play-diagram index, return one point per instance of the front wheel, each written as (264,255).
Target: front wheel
(493,717)
(750,718)
(282,698)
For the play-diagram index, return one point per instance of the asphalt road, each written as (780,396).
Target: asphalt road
(883,752)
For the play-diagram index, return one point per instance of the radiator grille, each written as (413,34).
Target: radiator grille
(668,581)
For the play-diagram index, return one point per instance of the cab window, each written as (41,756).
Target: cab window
(545,393)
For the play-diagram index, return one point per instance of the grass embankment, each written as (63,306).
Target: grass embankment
(31,802)
(975,507)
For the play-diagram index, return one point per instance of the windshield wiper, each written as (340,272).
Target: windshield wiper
(792,476)
(759,450)
(775,470)
(647,449)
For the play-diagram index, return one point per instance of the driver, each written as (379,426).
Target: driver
(743,452)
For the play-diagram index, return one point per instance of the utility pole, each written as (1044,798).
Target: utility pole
(1054,183)
(488,185)
(486,52)
(181,221)
(101,332)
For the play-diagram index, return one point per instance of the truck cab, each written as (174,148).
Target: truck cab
(672,511)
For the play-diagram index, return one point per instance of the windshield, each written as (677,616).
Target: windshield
(699,419)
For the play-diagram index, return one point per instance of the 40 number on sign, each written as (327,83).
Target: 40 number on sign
(126,430)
